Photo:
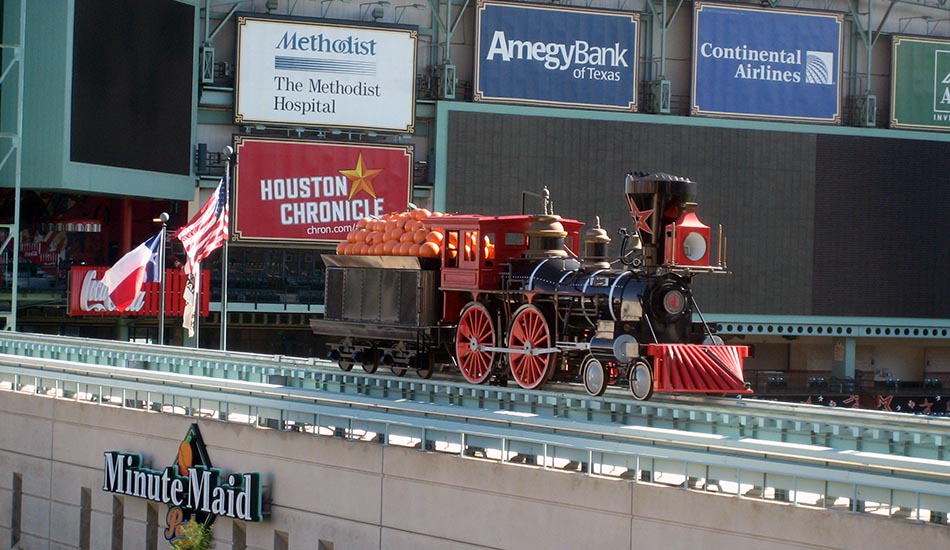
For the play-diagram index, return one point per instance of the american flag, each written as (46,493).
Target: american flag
(204,234)
(208,230)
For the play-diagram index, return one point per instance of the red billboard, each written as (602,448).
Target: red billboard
(304,191)
(89,297)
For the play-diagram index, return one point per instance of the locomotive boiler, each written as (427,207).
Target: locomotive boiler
(533,299)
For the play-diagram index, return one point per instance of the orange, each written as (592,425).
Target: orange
(185,458)
(429,250)
(435,237)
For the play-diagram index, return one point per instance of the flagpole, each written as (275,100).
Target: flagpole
(228,151)
(197,301)
(161,280)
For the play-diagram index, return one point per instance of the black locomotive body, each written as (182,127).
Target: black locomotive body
(529,298)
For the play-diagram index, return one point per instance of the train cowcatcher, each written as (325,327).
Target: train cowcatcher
(529,298)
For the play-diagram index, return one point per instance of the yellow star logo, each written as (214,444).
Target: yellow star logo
(361,178)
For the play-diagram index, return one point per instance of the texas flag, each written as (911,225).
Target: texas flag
(124,279)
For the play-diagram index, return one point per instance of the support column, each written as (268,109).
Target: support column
(843,357)
(122,329)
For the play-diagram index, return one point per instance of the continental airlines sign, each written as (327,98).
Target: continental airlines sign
(775,64)
(556,56)
(308,74)
(306,191)
(920,83)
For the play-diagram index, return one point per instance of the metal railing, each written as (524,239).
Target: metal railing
(800,474)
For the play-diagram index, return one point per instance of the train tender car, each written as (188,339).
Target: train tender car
(531,298)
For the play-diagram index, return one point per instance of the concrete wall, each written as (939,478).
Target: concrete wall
(367,496)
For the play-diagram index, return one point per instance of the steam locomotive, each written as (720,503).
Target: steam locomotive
(526,297)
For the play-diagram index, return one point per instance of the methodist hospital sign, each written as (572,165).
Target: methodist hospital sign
(305,74)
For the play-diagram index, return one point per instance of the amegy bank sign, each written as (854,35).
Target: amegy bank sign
(317,74)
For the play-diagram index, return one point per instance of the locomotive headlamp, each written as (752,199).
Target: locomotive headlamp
(687,240)
(694,246)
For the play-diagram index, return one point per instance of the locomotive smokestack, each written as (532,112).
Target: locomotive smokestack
(656,200)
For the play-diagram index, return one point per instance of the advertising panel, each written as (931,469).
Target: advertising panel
(920,83)
(559,56)
(315,192)
(88,297)
(773,64)
(193,489)
(316,74)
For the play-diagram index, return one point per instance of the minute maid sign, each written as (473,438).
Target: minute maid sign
(191,488)
(567,57)
(774,64)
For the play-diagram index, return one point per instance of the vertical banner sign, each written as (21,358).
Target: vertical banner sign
(558,56)
(920,83)
(305,74)
(772,64)
(305,191)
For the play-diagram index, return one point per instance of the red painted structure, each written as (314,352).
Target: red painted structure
(87,296)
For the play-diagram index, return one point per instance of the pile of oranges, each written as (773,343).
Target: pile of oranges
(409,233)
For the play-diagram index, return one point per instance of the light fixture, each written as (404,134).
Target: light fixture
(400,10)
(327,3)
(271,5)
(377,9)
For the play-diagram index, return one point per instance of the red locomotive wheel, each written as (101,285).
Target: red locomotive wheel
(475,331)
(529,331)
